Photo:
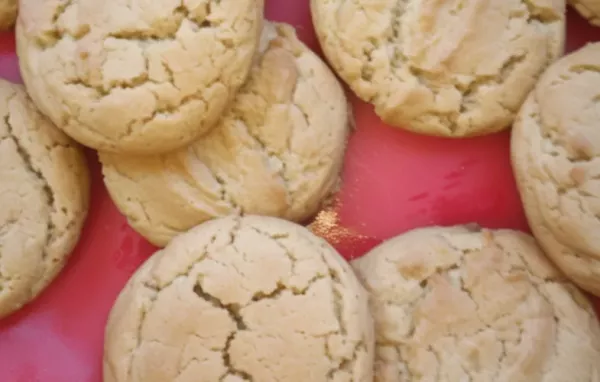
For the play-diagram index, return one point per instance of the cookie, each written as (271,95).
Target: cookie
(458,304)
(143,77)
(555,149)
(590,9)
(8,13)
(241,299)
(445,68)
(44,189)
(277,152)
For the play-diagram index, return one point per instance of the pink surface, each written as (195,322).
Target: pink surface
(393,181)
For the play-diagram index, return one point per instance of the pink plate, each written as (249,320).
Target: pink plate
(393,181)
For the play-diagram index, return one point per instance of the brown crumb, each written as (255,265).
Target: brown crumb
(578,174)
(580,144)
(327,225)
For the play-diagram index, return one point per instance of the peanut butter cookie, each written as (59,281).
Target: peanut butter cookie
(8,13)
(277,152)
(136,76)
(241,299)
(556,160)
(450,68)
(44,193)
(458,304)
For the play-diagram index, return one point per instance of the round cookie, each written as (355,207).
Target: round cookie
(8,13)
(555,151)
(44,191)
(142,77)
(445,68)
(458,304)
(590,9)
(277,152)
(241,299)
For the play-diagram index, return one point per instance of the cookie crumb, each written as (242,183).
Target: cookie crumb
(578,174)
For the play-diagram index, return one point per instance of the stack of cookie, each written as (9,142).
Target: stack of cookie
(197,111)
(200,110)
(463,303)
(218,132)
(277,150)
(45,190)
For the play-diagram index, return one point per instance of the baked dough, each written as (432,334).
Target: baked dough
(8,14)
(590,9)
(449,68)
(136,76)
(44,194)
(457,304)
(241,299)
(278,151)
(556,160)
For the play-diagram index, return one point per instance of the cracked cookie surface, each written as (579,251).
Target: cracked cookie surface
(278,151)
(457,304)
(241,299)
(555,149)
(44,193)
(448,68)
(136,76)
(8,13)
(589,9)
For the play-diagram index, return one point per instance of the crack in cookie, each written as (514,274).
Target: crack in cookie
(179,62)
(457,303)
(278,150)
(557,164)
(441,68)
(45,192)
(306,317)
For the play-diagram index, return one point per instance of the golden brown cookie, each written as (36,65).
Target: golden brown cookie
(241,299)
(448,68)
(44,197)
(8,13)
(458,304)
(137,77)
(556,160)
(278,151)
(590,9)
